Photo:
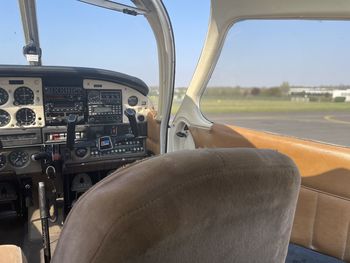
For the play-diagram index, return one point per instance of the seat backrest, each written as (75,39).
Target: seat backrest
(208,205)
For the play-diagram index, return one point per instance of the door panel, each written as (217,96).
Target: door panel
(323,213)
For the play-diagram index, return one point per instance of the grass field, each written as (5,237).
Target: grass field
(216,106)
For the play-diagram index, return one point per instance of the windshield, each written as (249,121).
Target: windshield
(96,37)
(11,37)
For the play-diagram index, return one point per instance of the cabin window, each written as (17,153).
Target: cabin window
(284,76)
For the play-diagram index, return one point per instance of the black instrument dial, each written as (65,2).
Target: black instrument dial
(25,116)
(4,96)
(5,118)
(133,100)
(24,96)
(18,158)
(2,160)
(81,152)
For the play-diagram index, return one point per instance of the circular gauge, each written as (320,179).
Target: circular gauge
(5,118)
(25,116)
(133,100)
(81,152)
(24,96)
(2,160)
(141,118)
(4,96)
(18,158)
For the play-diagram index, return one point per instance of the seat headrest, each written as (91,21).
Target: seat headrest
(208,205)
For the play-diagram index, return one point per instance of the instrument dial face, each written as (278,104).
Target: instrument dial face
(133,100)
(25,117)
(5,118)
(18,158)
(4,96)
(24,96)
(2,160)
(81,152)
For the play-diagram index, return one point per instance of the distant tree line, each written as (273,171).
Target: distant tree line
(224,92)
(282,91)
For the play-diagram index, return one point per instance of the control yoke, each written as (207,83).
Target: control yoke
(131,114)
(71,123)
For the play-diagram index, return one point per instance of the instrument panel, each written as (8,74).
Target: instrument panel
(34,113)
(61,101)
(24,103)
(21,103)
(127,98)
(19,160)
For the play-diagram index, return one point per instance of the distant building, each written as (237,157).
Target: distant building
(304,94)
(341,93)
(309,91)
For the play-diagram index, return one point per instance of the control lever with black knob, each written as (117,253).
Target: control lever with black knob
(44,216)
(131,115)
(41,156)
(71,124)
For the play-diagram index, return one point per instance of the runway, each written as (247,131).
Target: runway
(329,127)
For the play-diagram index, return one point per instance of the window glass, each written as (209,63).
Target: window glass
(11,34)
(73,33)
(288,77)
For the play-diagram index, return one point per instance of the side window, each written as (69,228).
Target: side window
(288,77)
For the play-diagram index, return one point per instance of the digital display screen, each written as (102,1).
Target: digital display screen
(102,109)
(111,95)
(64,90)
(105,143)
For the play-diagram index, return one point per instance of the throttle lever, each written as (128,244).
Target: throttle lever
(71,123)
(131,115)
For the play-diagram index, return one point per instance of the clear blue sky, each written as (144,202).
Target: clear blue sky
(257,53)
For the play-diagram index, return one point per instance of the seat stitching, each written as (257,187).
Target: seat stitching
(346,241)
(221,158)
(314,222)
(325,193)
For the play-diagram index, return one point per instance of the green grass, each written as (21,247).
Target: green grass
(216,106)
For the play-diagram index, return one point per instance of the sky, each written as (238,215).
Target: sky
(256,53)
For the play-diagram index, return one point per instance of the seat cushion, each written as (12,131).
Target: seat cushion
(11,254)
(298,254)
(208,205)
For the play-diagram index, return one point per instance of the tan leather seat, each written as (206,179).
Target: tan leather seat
(11,254)
(219,205)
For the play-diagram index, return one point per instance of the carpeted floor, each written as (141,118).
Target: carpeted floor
(12,231)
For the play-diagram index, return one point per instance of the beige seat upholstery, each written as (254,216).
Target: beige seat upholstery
(219,205)
(11,254)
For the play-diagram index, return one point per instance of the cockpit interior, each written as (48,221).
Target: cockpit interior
(70,127)
(93,168)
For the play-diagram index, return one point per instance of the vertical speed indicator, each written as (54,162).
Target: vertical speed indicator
(25,117)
